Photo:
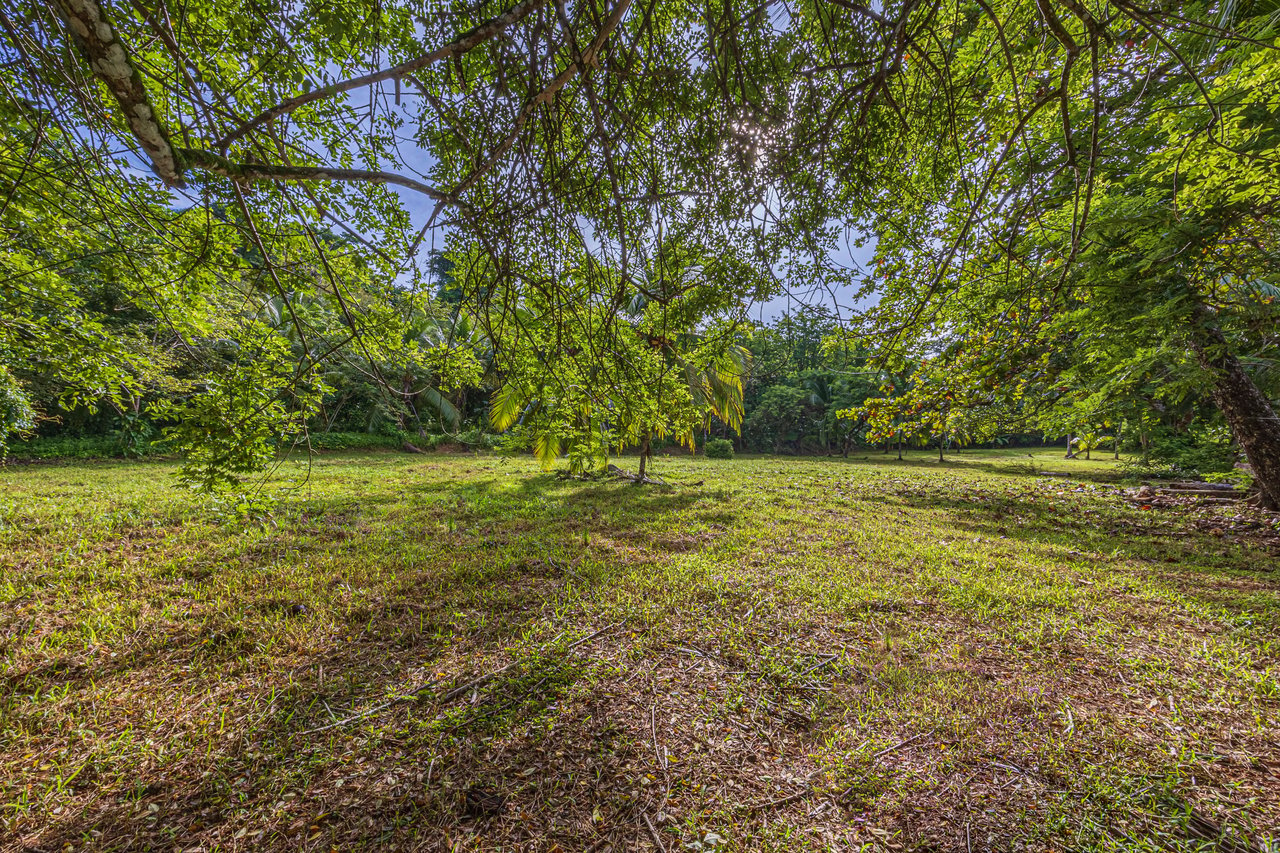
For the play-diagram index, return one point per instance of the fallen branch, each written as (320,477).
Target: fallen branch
(819,665)
(462,689)
(882,753)
(619,474)
(366,713)
(1190,486)
(783,710)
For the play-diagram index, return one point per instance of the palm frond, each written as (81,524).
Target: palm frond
(505,407)
(546,448)
(443,407)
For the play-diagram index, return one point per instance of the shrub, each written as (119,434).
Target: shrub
(134,435)
(1136,471)
(16,414)
(476,439)
(92,447)
(1191,454)
(719,448)
(354,441)
(430,441)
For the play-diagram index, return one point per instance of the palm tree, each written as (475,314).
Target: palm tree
(421,391)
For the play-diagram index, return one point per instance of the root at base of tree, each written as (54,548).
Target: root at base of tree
(637,479)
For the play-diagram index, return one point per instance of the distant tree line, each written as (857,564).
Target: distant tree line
(807,389)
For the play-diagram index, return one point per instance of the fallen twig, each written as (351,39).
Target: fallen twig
(620,474)
(877,756)
(653,833)
(1015,768)
(819,665)
(462,689)
(355,717)
(782,801)
(899,745)
(788,712)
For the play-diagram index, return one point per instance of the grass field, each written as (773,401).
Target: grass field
(771,654)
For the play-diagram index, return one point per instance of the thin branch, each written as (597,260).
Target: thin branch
(589,59)
(219,165)
(455,48)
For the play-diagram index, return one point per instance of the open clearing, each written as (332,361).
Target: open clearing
(774,654)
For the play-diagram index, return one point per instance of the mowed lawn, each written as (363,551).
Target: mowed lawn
(770,654)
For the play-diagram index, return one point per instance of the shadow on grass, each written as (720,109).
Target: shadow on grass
(1010,466)
(1236,572)
(277,728)
(347,606)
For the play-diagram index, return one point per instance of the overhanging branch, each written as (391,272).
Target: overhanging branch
(219,165)
(589,60)
(457,47)
(109,60)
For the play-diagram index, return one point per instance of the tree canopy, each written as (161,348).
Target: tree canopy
(1070,205)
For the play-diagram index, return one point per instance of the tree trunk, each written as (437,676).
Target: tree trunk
(939,448)
(1118,435)
(899,448)
(645,448)
(1246,408)
(1069,455)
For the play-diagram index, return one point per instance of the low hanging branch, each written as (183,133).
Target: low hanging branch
(108,58)
(218,165)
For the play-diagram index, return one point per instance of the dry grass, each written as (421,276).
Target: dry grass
(822,655)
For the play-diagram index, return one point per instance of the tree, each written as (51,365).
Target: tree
(997,150)
(97,310)
(779,414)
(1124,205)
(580,379)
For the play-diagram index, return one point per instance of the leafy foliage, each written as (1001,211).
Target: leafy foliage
(230,426)
(719,448)
(1072,212)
